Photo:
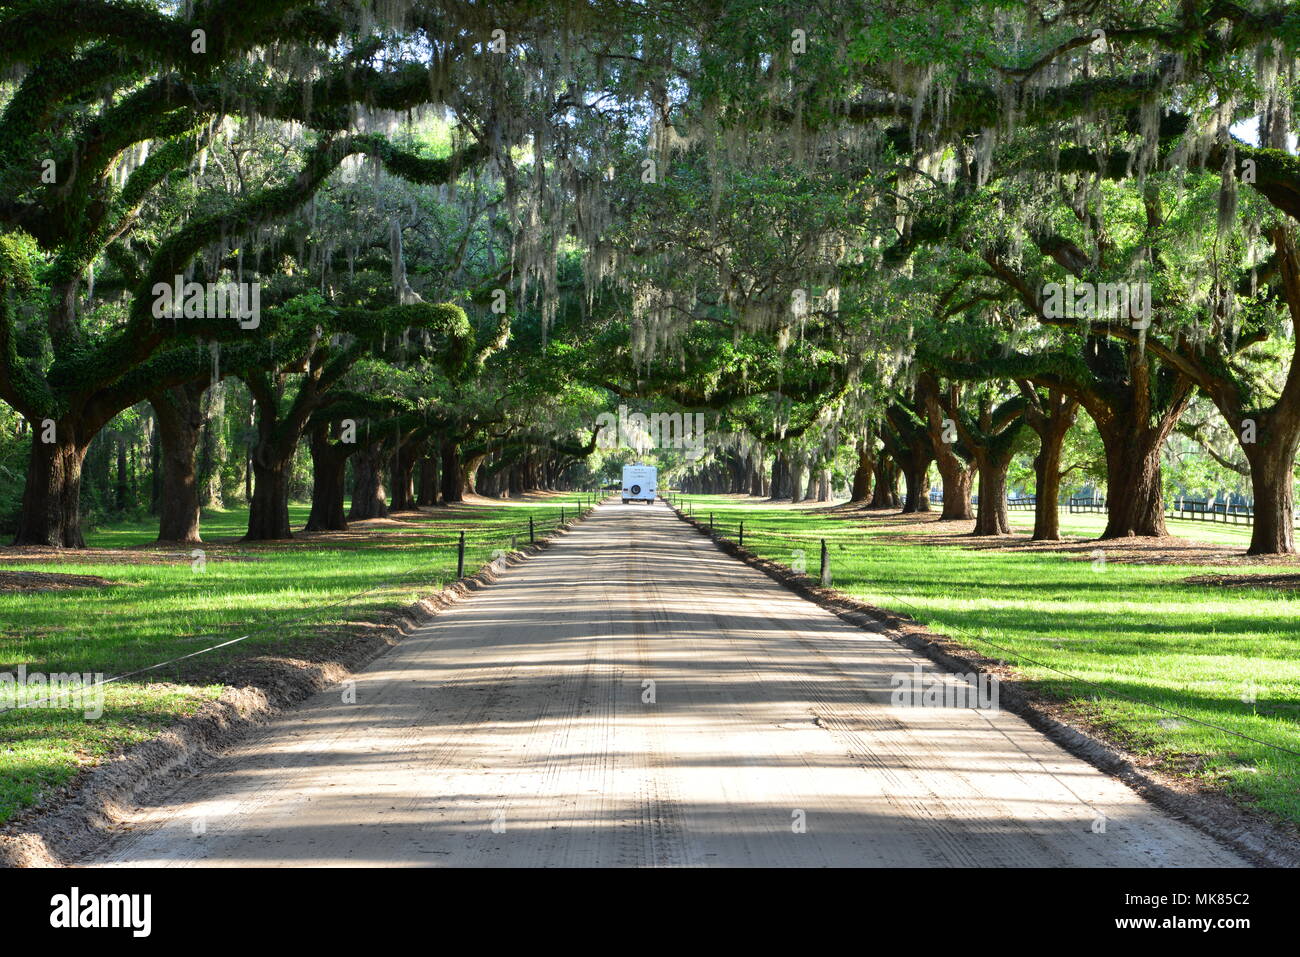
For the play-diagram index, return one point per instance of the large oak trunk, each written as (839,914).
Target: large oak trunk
(328,492)
(797,473)
(404,463)
(178,519)
(991,513)
(428,481)
(469,475)
(52,496)
(780,477)
(179,413)
(862,476)
(1133,438)
(1047,479)
(1047,484)
(1271,478)
(1272,454)
(271,465)
(956,475)
(268,514)
(957,478)
(886,494)
(368,497)
(1134,497)
(492,480)
(329,466)
(915,463)
(908,442)
(1051,417)
(453,481)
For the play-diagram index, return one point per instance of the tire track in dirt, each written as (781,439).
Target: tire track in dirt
(663,828)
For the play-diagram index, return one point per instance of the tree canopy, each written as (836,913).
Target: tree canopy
(422,246)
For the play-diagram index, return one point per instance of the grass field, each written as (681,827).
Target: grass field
(160,605)
(1091,524)
(1229,657)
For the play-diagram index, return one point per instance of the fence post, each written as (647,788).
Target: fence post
(530,530)
(710,523)
(742,535)
(826,566)
(561,514)
(460,556)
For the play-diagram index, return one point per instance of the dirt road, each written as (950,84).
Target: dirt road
(516,729)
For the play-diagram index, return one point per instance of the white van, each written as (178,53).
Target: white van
(639,483)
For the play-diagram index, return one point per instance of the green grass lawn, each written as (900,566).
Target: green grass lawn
(161,606)
(1091,524)
(1129,631)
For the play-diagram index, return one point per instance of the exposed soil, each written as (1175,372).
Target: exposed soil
(11,581)
(1275,582)
(151,554)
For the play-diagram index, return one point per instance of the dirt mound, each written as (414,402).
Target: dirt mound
(1289,582)
(150,554)
(12,581)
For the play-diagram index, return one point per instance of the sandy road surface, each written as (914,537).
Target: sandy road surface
(512,731)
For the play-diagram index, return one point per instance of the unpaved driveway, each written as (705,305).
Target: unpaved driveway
(512,730)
